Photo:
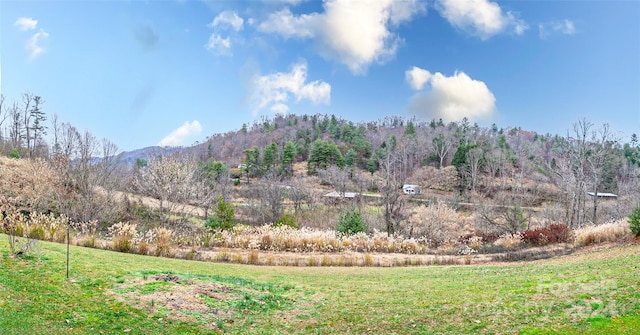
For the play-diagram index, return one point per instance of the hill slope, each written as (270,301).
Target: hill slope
(594,292)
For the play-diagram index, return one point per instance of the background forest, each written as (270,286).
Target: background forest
(477,183)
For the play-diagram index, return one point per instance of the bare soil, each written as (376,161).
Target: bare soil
(182,299)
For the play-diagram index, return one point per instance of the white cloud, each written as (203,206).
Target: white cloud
(451,98)
(219,45)
(354,33)
(481,18)
(228,19)
(184,132)
(283,22)
(273,91)
(279,108)
(562,27)
(417,77)
(33,44)
(26,23)
(225,21)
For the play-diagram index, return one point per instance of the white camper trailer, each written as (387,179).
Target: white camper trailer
(411,189)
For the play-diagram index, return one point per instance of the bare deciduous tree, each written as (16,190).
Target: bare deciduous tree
(581,168)
(599,155)
(494,164)
(391,194)
(474,163)
(297,192)
(337,177)
(437,223)
(442,144)
(168,179)
(271,195)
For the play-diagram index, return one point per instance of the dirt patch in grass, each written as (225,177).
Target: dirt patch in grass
(173,297)
(211,302)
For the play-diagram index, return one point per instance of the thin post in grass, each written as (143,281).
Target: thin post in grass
(68,224)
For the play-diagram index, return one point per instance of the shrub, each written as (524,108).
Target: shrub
(123,235)
(555,233)
(634,221)
(143,247)
(475,242)
(36,231)
(88,229)
(509,241)
(286,220)
(14,154)
(350,222)
(479,236)
(163,241)
(223,217)
(437,222)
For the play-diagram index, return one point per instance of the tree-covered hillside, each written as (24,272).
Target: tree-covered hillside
(505,180)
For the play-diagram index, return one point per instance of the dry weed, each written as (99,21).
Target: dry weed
(608,232)
(509,241)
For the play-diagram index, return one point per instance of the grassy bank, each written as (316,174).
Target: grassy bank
(110,293)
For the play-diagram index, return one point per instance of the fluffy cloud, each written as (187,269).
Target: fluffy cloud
(480,18)
(184,132)
(354,33)
(450,98)
(273,91)
(417,77)
(33,44)
(26,23)
(228,19)
(225,21)
(556,27)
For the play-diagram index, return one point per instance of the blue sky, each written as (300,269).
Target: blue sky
(173,72)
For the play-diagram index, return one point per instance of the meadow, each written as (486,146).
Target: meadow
(593,291)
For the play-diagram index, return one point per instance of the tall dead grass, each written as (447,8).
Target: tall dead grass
(609,232)
(284,238)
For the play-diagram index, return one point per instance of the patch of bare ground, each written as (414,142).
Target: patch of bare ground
(211,302)
(178,299)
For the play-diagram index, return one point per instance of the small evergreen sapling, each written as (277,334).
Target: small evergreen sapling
(351,222)
(223,217)
(634,221)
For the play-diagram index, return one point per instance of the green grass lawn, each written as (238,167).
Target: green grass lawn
(594,292)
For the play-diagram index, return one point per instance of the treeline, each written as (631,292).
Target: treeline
(504,166)
(499,168)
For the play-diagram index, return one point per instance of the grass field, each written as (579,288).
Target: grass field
(592,292)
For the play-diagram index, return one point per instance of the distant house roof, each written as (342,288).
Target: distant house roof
(603,195)
(335,194)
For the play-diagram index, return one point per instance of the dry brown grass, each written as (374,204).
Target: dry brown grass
(509,241)
(163,241)
(608,232)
